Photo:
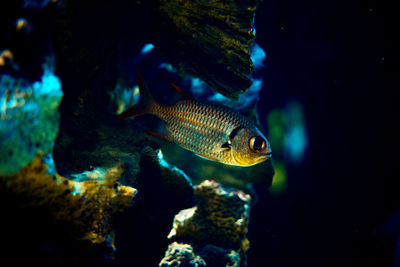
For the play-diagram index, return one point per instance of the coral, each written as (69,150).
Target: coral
(216,227)
(86,206)
(181,255)
(69,210)
(203,35)
(29,119)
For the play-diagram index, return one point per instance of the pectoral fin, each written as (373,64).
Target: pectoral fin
(158,135)
(225,146)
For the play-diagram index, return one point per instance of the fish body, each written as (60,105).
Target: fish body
(209,130)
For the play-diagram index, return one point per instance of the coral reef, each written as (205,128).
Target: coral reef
(215,228)
(69,170)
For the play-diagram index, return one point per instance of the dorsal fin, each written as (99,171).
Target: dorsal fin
(180,91)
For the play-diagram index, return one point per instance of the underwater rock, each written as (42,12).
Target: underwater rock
(164,190)
(172,186)
(82,210)
(181,255)
(193,36)
(29,119)
(86,145)
(216,227)
(199,36)
(67,210)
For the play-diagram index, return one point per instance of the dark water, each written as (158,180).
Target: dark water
(341,203)
(334,57)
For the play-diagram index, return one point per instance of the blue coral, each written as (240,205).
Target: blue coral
(29,119)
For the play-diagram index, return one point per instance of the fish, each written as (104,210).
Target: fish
(209,130)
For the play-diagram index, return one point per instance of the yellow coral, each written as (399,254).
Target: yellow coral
(220,218)
(216,228)
(88,210)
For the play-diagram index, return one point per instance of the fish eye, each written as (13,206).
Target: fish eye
(257,143)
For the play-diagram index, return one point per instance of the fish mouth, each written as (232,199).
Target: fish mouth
(266,155)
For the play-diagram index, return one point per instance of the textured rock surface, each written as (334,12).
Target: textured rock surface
(181,255)
(70,215)
(216,227)
(204,35)
(193,36)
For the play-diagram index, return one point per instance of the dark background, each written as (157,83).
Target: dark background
(341,207)
(332,56)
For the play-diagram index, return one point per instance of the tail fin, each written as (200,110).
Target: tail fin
(145,102)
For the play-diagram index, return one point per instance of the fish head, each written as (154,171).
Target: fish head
(249,147)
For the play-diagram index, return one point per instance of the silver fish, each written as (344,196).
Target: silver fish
(209,130)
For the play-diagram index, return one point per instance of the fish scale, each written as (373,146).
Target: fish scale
(199,127)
